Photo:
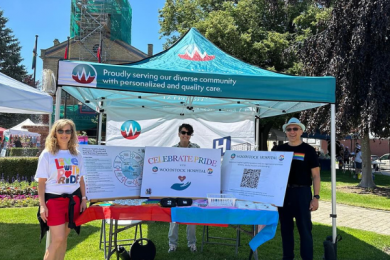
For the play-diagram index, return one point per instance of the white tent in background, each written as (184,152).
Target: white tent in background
(17,97)
(19,130)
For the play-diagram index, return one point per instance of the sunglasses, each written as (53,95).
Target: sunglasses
(291,129)
(185,133)
(68,132)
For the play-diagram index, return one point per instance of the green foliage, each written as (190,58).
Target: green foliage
(11,166)
(10,57)
(259,32)
(92,141)
(355,49)
(24,151)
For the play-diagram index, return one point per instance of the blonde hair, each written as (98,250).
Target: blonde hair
(51,141)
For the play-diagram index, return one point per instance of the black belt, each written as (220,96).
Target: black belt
(296,186)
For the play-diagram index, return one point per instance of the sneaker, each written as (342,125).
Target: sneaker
(172,248)
(192,248)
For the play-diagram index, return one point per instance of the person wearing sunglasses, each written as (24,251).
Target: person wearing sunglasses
(298,201)
(185,133)
(61,187)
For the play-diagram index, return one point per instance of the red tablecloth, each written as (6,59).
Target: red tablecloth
(144,212)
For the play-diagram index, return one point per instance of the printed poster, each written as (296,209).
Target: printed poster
(112,171)
(257,176)
(181,172)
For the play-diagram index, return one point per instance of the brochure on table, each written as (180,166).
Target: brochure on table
(256,175)
(181,172)
(112,171)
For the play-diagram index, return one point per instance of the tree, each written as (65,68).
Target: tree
(10,58)
(259,32)
(355,48)
(29,80)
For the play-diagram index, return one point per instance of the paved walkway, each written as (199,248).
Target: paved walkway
(377,221)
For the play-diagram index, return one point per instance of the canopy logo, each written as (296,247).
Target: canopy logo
(281,157)
(84,73)
(130,129)
(196,55)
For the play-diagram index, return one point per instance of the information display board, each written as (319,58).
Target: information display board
(181,172)
(256,175)
(112,171)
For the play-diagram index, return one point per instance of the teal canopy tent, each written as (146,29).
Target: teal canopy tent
(195,77)
(193,74)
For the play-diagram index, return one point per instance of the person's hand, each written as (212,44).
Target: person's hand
(44,212)
(314,204)
(83,205)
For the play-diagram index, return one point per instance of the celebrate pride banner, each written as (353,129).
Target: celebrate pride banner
(181,172)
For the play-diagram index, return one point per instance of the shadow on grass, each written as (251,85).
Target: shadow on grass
(350,247)
(21,241)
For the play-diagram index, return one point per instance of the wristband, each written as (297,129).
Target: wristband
(84,198)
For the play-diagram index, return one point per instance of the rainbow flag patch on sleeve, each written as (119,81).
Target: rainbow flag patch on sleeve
(299,156)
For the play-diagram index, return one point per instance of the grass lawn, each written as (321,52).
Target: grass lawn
(19,236)
(360,197)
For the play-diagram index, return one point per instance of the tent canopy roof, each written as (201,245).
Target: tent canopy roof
(17,97)
(19,130)
(193,76)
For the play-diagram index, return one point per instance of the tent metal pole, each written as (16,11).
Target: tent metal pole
(100,128)
(257,132)
(333,168)
(58,103)
(50,123)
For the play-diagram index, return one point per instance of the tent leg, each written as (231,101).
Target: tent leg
(257,133)
(50,123)
(100,128)
(58,103)
(333,169)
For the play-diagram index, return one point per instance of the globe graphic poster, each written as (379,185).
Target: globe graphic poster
(112,171)
(128,167)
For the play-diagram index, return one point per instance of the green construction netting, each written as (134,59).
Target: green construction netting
(116,13)
(84,117)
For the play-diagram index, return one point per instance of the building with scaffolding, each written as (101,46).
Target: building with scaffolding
(93,22)
(95,25)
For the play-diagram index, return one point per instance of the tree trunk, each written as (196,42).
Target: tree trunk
(263,136)
(367,181)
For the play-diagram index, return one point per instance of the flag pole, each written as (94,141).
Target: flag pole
(67,50)
(34,66)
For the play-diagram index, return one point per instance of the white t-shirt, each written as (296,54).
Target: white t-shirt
(63,171)
(358,157)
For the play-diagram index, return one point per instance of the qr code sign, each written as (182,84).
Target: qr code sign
(250,178)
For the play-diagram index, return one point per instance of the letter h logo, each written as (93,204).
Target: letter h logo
(223,143)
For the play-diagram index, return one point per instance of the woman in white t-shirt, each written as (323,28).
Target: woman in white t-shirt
(61,187)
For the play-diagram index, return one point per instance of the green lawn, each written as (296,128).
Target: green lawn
(361,200)
(19,234)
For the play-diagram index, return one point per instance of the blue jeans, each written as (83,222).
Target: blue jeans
(296,205)
(173,234)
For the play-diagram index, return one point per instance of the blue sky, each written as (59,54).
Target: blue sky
(50,19)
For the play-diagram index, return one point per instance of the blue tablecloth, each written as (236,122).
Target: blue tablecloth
(231,216)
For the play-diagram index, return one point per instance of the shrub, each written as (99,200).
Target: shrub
(25,151)
(24,166)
